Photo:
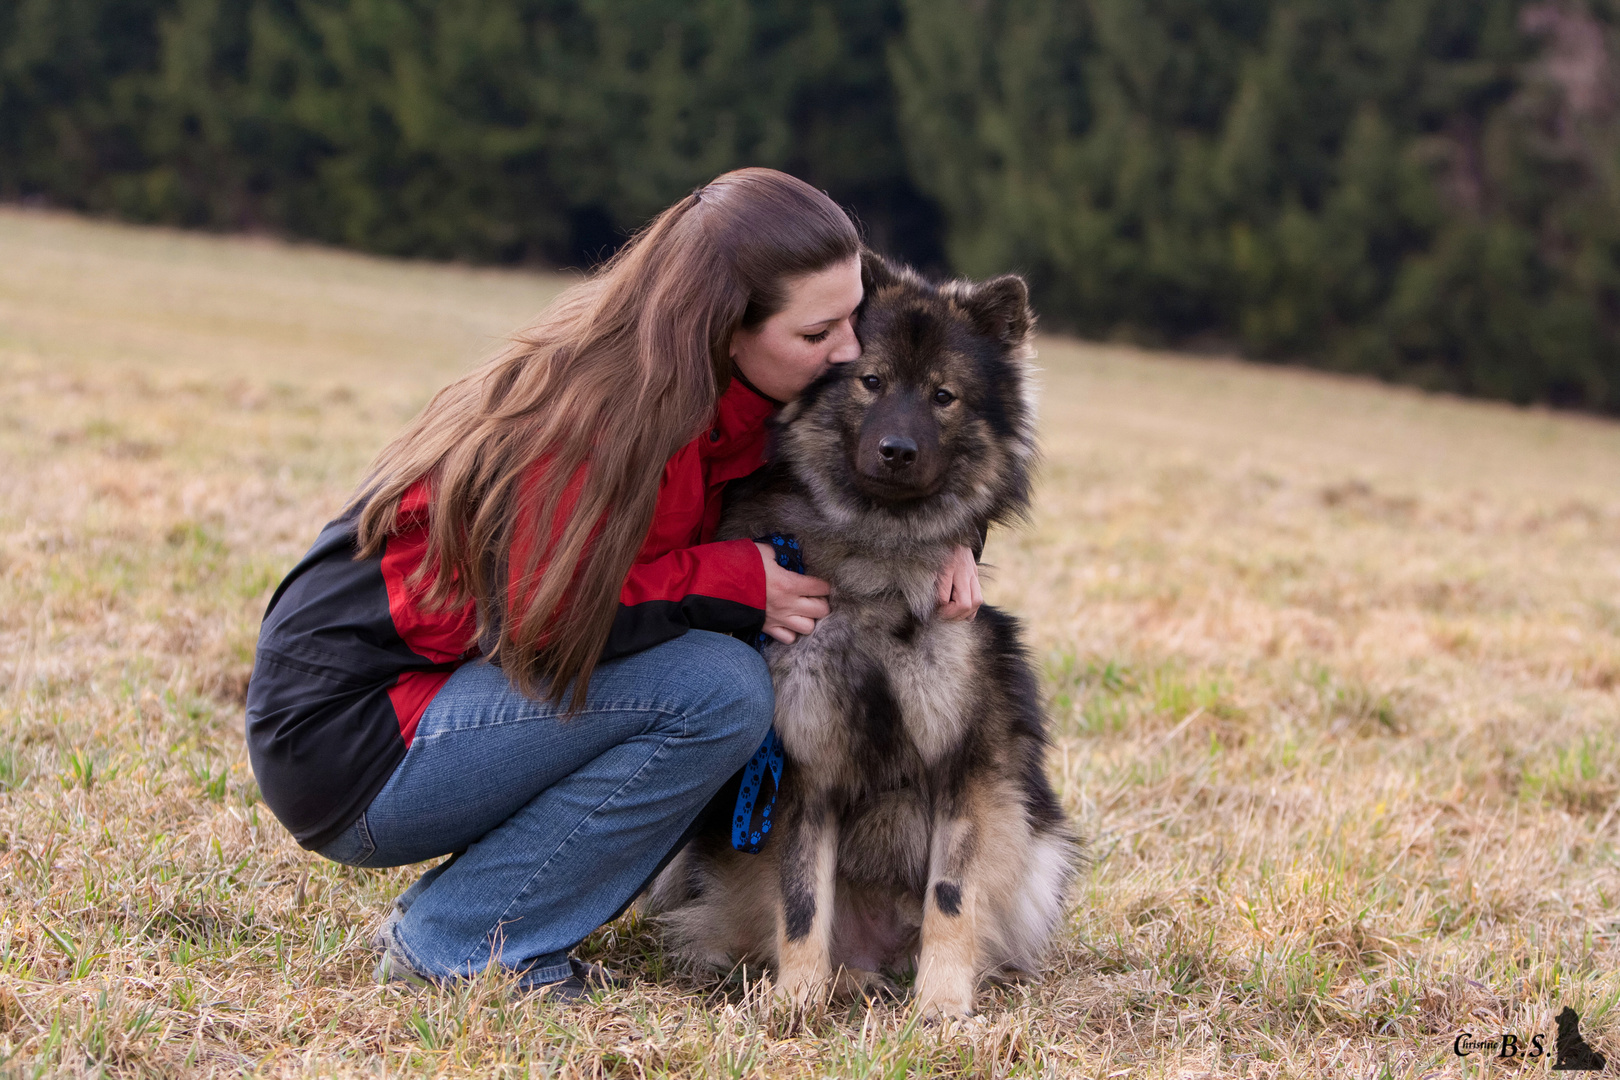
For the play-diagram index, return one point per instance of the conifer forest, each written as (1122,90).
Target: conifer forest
(1423,190)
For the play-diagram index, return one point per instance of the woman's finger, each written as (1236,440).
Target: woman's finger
(811,607)
(960,594)
(799,624)
(782,634)
(805,585)
(970,594)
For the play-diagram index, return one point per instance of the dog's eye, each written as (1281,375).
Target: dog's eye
(871,382)
(943,396)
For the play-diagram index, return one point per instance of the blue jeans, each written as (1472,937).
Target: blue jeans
(557,821)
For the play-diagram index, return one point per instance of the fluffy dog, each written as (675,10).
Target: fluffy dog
(915,826)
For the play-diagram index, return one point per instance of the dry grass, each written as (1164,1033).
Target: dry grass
(1336,671)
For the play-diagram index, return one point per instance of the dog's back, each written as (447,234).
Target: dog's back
(915,824)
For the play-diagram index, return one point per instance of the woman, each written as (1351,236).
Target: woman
(515,644)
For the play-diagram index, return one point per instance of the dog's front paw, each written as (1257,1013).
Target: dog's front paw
(801,988)
(945,989)
(952,1007)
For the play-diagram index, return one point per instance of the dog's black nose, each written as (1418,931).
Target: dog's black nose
(897,451)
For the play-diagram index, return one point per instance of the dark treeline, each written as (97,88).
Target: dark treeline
(1427,190)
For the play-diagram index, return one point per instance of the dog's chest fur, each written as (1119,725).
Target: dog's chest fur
(871,678)
(877,695)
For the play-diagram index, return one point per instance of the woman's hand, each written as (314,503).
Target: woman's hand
(793,602)
(959,595)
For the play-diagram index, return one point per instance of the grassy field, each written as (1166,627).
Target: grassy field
(1334,670)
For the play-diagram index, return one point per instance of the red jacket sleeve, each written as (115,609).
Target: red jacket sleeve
(718,587)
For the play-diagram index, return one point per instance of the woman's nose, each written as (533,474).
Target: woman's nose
(848,346)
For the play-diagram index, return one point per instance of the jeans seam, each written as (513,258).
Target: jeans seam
(359,831)
(661,711)
(539,872)
(368,845)
(547,975)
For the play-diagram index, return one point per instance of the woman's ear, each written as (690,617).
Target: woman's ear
(731,346)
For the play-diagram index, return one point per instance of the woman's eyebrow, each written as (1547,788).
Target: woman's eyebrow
(829,320)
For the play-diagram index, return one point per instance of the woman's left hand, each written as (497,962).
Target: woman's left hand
(959,595)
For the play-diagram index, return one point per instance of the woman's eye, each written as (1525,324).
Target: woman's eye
(943,396)
(816,339)
(871,382)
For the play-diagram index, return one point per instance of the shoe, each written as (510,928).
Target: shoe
(586,979)
(385,932)
(595,976)
(392,969)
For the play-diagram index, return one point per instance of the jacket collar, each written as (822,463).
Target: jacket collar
(741,412)
(738,377)
(735,442)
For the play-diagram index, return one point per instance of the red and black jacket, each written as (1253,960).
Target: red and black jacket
(349,658)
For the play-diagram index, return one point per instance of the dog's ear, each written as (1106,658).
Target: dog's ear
(876,271)
(1000,308)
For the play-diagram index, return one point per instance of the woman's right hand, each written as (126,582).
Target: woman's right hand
(793,602)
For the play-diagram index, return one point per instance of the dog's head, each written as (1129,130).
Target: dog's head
(934,425)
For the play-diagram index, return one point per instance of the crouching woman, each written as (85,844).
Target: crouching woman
(515,645)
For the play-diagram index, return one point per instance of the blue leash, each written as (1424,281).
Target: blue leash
(762,776)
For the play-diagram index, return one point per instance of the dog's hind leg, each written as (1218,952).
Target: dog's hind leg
(805,915)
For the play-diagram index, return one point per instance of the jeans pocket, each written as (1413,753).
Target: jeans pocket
(353,846)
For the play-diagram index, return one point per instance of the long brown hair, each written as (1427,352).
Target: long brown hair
(615,377)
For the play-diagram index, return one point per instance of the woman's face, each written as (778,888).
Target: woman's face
(814,330)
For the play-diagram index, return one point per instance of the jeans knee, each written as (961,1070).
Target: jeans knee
(740,701)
